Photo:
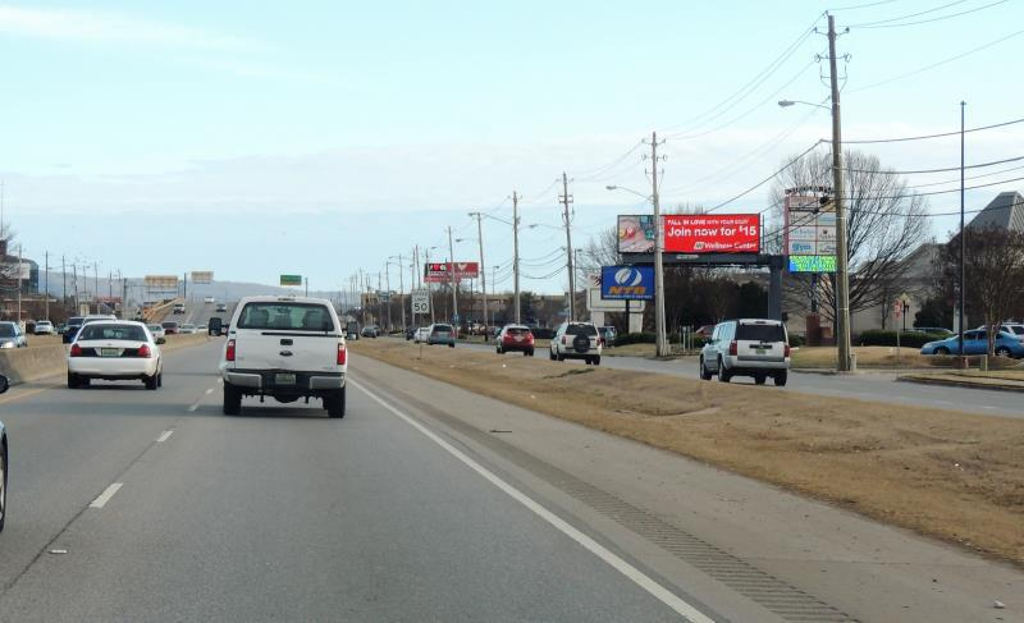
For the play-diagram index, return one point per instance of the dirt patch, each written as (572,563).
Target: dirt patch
(956,476)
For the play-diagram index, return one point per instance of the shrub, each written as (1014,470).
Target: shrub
(910,339)
(634,338)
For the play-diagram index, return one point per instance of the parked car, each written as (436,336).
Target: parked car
(44,327)
(409,333)
(209,300)
(4,384)
(976,343)
(11,335)
(608,335)
(747,347)
(74,323)
(171,327)
(421,335)
(222,307)
(515,338)
(188,329)
(157,331)
(441,333)
(254,362)
(1014,328)
(576,340)
(934,330)
(115,350)
(371,330)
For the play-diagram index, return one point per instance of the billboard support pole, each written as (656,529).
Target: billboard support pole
(515,255)
(661,344)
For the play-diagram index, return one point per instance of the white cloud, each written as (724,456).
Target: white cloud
(111,27)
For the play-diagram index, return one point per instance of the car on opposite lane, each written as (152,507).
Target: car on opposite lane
(754,347)
(4,384)
(115,350)
(11,336)
(222,307)
(976,343)
(209,300)
(286,348)
(44,327)
(576,340)
(515,338)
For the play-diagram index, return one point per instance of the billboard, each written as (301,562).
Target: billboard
(15,271)
(291,280)
(161,283)
(621,283)
(692,233)
(202,276)
(440,272)
(810,233)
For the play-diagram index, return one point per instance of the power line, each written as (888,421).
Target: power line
(940,135)
(943,170)
(970,177)
(765,180)
(908,16)
(936,192)
(861,6)
(601,169)
(936,19)
(938,64)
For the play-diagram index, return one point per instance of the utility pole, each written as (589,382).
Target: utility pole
(401,292)
(430,295)
(46,288)
(454,281)
(184,286)
(483,267)
(64,286)
(307,286)
(660,337)
(74,270)
(387,289)
(842,268)
(19,285)
(963,243)
(515,256)
(566,200)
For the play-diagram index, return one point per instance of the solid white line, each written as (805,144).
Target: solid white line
(104,497)
(641,579)
(164,436)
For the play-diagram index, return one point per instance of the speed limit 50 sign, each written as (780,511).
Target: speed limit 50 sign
(420,302)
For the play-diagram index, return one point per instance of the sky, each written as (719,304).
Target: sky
(328,137)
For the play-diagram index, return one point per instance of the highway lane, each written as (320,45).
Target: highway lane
(865,385)
(278,514)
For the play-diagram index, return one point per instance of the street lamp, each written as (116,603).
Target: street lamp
(788,103)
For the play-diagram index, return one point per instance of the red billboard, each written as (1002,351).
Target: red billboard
(441,272)
(712,233)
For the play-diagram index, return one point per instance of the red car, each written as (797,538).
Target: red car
(171,327)
(515,337)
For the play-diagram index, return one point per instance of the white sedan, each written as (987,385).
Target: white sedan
(421,336)
(115,351)
(157,330)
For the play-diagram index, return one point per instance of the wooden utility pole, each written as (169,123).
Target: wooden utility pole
(566,200)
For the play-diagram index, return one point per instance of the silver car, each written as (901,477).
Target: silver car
(11,336)
(747,347)
(441,334)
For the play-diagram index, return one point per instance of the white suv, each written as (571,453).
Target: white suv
(576,340)
(286,348)
(747,347)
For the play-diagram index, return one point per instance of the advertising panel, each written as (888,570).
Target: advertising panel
(712,233)
(810,236)
(692,233)
(634,283)
(440,272)
(202,276)
(15,271)
(161,283)
(812,263)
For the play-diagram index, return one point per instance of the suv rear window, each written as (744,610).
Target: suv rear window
(445,328)
(127,332)
(580,329)
(761,333)
(286,317)
(74,320)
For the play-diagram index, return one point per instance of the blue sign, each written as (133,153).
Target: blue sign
(812,263)
(627,283)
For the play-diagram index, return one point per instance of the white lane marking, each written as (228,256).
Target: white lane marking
(193,408)
(104,497)
(209,391)
(164,436)
(640,578)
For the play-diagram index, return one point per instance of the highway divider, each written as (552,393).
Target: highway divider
(23,365)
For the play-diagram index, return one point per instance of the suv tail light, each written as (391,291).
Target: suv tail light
(229,354)
(787,350)
(145,352)
(565,339)
(76,350)
(529,338)
(733,348)
(342,354)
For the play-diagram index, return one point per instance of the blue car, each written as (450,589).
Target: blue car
(976,343)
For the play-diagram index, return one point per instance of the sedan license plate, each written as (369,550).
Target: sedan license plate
(110,352)
(284,379)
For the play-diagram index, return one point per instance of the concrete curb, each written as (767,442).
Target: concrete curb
(999,387)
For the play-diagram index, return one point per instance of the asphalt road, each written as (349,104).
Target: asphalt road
(865,385)
(426,503)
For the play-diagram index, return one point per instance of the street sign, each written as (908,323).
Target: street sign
(384,296)
(203,277)
(420,302)
(291,280)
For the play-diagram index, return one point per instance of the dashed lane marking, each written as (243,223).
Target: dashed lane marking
(104,497)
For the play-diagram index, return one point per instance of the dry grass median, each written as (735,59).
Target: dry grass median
(953,475)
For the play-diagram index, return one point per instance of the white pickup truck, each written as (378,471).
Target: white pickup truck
(286,348)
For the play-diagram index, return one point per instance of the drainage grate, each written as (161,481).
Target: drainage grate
(785,600)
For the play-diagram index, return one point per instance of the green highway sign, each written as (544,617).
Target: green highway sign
(291,280)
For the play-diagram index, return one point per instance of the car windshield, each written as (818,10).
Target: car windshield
(285,316)
(7,330)
(581,329)
(517,331)
(761,332)
(127,332)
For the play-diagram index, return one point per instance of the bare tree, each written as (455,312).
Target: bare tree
(994,267)
(884,225)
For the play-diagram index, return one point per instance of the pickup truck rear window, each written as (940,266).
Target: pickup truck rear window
(283,316)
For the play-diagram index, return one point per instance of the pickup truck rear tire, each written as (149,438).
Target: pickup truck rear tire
(335,404)
(232,400)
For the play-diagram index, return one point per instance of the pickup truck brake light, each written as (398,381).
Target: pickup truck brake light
(342,354)
(229,353)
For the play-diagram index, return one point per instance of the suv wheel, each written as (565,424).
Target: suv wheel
(597,360)
(551,355)
(232,400)
(780,378)
(3,484)
(705,374)
(724,375)
(760,379)
(528,353)
(335,404)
